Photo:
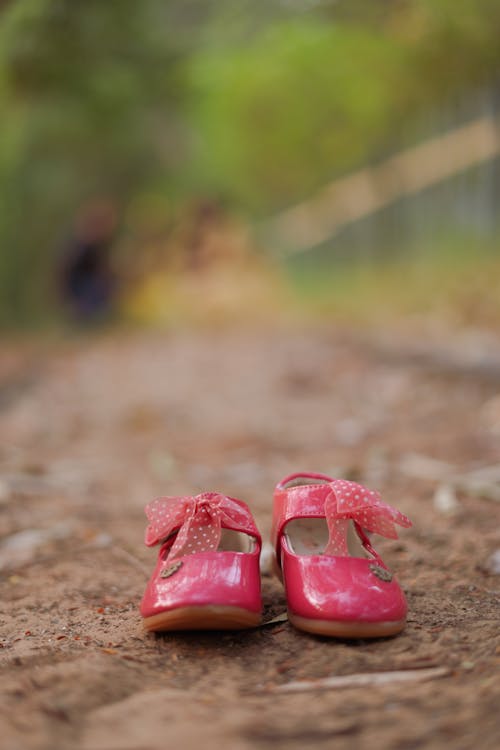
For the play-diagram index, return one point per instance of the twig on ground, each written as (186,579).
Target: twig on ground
(461,360)
(125,555)
(283,617)
(369,679)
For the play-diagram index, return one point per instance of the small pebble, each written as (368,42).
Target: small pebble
(493,563)
(445,500)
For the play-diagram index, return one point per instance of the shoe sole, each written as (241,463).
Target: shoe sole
(341,629)
(208,617)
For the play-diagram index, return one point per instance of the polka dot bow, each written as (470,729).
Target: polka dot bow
(198,520)
(349,500)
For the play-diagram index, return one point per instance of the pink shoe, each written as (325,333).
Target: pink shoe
(335,582)
(207,576)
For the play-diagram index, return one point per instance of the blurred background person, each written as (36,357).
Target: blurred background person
(87,282)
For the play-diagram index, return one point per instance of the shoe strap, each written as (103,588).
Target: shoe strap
(338,501)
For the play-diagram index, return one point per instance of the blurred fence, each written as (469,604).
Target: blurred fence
(449,184)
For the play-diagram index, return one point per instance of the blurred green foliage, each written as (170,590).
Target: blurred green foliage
(454,278)
(77,120)
(255,103)
(302,101)
(306,99)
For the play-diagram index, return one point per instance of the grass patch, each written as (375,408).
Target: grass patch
(458,284)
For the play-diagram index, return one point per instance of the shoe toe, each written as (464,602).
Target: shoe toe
(210,578)
(348,589)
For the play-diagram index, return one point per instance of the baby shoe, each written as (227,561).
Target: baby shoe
(207,576)
(336,584)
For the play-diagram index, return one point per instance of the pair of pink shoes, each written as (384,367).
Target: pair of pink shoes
(208,577)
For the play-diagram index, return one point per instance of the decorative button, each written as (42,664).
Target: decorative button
(167,572)
(382,573)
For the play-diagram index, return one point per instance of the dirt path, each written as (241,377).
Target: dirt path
(91,431)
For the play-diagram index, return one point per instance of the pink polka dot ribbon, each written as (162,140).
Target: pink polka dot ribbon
(351,501)
(197,520)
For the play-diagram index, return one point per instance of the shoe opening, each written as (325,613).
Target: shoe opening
(309,536)
(230,541)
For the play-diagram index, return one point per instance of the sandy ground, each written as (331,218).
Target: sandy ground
(92,429)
